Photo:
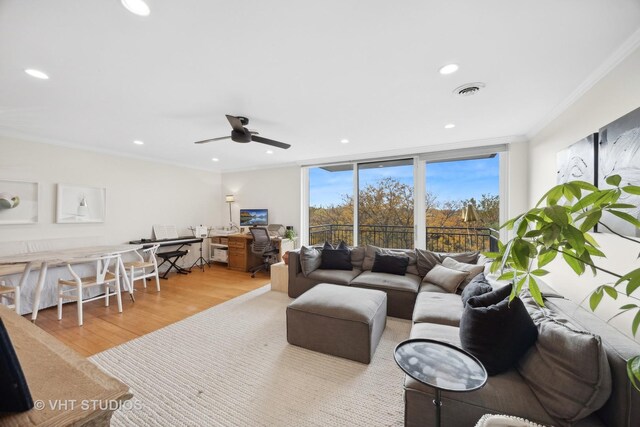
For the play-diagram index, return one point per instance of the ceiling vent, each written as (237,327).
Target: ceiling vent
(468,89)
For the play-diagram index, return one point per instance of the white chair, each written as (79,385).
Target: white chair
(73,289)
(10,296)
(137,270)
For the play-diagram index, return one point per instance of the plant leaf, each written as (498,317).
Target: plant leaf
(584,185)
(591,220)
(611,291)
(546,257)
(595,298)
(614,180)
(557,214)
(535,291)
(539,272)
(575,264)
(632,189)
(633,371)
(635,323)
(631,219)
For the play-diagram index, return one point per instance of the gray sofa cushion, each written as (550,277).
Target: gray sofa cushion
(433,307)
(338,277)
(357,256)
(370,255)
(430,287)
(408,282)
(310,259)
(472,269)
(426,260)
(447,278)
(564,359)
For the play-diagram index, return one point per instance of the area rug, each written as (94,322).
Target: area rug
(231,365)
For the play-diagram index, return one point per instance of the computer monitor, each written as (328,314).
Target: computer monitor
(251,217)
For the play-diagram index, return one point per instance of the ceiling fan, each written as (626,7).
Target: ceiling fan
(243,135)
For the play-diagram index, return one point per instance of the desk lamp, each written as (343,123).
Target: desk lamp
(230,198)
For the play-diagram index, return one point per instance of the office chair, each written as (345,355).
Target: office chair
(262,247)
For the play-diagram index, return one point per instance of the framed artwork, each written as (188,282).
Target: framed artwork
(579,161)
(619,155)
(18,202)
(78,205)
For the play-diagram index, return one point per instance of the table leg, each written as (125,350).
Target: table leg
(23,282)
(438,403)
(127,283)
(38,291)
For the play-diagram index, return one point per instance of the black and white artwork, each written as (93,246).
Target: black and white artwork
(619,155)
(578,162)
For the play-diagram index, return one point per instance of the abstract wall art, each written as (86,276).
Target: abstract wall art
(578,162)
(18,202)
(619,155)
(78,204)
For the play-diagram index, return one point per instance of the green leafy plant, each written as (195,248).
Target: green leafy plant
(559,227)
(290,234)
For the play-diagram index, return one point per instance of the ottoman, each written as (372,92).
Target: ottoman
(338,320)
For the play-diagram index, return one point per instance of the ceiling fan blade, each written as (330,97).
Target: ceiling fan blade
(267,141)
(204,141)
(236,123)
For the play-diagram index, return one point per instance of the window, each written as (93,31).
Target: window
(331,204)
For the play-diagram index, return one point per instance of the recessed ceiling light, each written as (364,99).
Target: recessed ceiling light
(344,141)
(215,159)
(138,142)
(269,151)
(449,126)
(449,69)
(36,73)
(137,7)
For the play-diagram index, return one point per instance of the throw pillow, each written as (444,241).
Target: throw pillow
(371,251)
(496,331)
(391,264)
(338,258)
(310,259)
(447,278)
(426,261)
(466,257)
(472,269)
(564,359)
(478,286)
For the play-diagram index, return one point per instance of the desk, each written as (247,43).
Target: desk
(55,373)
(240,256)
(47,258)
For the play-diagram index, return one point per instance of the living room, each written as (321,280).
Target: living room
(120,96)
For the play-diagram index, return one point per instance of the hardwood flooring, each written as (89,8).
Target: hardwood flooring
(180,297)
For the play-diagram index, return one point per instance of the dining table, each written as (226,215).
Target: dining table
(45,259)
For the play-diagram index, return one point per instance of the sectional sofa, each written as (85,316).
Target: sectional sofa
(542,387)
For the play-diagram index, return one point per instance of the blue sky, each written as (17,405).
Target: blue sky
(455,180)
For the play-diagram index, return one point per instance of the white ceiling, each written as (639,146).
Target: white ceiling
(308,73)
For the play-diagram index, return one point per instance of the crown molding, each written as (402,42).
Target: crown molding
(622,52)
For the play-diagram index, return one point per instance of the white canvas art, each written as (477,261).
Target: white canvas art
(77,205)
(577,161)
(619,154)
(18,202)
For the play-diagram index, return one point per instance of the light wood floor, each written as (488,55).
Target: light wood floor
(180,297)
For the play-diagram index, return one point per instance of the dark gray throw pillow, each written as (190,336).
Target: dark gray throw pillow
(391,264)
(496,331)
(338,258)
(478,286)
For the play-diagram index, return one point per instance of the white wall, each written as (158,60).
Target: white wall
(613,96)
(139,193)
(275,189)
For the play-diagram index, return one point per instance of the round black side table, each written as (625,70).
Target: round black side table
(441,366)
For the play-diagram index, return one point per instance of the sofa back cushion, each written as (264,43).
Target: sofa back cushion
(357,256)
(426,259)
(310,259)
(567,369)
(371,251)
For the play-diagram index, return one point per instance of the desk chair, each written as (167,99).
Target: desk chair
(73,289)
(262,247)
(137,270)
(10,294)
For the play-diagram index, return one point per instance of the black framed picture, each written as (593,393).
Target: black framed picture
(619,155)
(579,161)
